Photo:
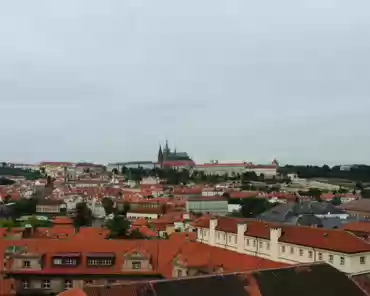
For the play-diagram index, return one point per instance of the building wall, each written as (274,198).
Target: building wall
(202,206)
(278,251)
(133,215)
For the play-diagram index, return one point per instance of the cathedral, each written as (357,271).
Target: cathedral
(166,155)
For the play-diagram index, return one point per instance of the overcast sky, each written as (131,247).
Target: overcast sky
(221,79)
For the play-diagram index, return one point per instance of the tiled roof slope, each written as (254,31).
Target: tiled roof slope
(328,239)
(304,280)
(161,254)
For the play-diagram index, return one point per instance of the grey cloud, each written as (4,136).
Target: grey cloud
(253,80)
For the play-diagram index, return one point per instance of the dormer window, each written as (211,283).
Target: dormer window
(67,259)
(136,265)
(100,259)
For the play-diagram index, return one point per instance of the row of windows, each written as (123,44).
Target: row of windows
(92,262)
(99,262)
(301,252)
(46,284)
(67,261)
(283,248)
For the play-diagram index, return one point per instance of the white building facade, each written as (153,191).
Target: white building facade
(350,255)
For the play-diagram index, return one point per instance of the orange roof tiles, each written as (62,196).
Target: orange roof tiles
(328,239)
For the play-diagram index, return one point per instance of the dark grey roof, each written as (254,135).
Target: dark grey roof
(286,212)
(303,280)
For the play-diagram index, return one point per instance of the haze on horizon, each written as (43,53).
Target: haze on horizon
(251,80)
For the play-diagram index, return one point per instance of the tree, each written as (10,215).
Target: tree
(252,207)
(118,226)
(83,215)
(315,193)
(115,171)
(108,205)
(24,207)
(5,181)
(336,201)
(7,198)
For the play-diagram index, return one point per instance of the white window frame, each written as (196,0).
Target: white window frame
(26,264)
(26,284)
(362,260)
(136,265)
(46,284)
(68,284)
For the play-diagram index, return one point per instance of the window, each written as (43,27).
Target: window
(179,273)
(320,256)
(283,249)
(46,284)
(26,264)
(309,254)
(261,245)
(71,261)
(218,235)
(300,252)
(268,246)
(362,260)
(291,250)
(67,284)
(107,262)
(254,243)
(26,284)
(247,241)
(136,265)
(58,261)
(341,260)
(331,258)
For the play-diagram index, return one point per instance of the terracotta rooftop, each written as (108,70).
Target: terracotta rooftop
(328,239)
(161,253)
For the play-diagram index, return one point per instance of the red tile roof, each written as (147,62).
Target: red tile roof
(328,239)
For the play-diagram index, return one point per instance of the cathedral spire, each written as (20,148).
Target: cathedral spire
(166,148)
(160,154)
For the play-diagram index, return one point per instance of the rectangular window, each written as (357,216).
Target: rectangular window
(71,261)
(283,249)
(26,284)
(362,260)
(300,252)
(261,245)
(291,250)
(136,265)
(320,256)
(179,273)
(68,284)
(248,242)
(331,258)
(310,254)
(57,261)
(268,246)
(341,260)
(254,243)
(26,264)
(46,284)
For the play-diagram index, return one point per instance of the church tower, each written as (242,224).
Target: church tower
(160,155)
